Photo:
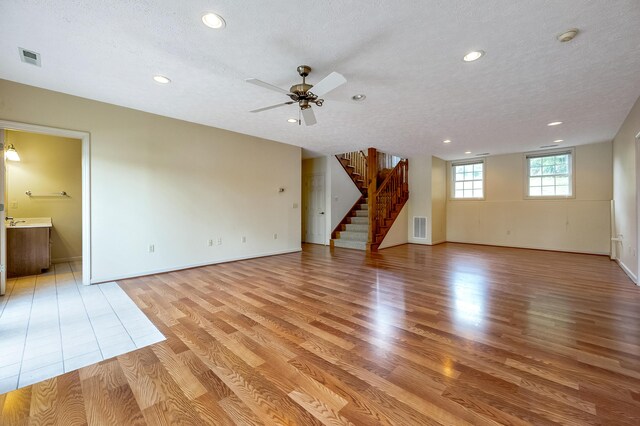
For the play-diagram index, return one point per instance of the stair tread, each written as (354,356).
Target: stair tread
(354,235)
(355,245)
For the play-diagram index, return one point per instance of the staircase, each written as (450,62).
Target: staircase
(354,232)
(384,192)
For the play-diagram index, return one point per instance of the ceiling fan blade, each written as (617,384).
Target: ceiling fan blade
(327,84)
(266,85)
(272,106)
(309,117)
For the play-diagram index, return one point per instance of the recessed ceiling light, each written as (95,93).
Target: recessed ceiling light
(558,140)
(446,141)
(213,20)
(359,97)
(161,79)
(568,35)
(292,120)
(467,152)
(473,56)
(554,123)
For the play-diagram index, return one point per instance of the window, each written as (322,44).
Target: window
(468,180)
(550,174)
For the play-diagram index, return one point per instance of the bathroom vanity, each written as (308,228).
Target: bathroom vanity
(28,246)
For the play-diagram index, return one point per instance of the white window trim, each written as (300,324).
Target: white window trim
(525,159)
(452,179)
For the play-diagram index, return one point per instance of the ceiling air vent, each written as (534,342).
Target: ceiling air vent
(548,146)
(484,154)
(29,56)
(419,227)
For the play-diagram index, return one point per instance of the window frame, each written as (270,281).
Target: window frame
(452,179)
(541,154)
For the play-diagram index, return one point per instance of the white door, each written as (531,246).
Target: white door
(315,209)
(3,229)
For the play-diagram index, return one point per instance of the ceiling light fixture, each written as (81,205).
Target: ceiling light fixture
(473,56)
(467,152)
(568,35)
(161,79)
(446,141)
(292,120)
(554,123)
(558,140)
(11,154)
(213,20)
(359,97)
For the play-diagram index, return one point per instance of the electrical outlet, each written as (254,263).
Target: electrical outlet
(219,241)
(152,248)
(244,239)
(13,204)
(275,236)
(295,205)
(210,243)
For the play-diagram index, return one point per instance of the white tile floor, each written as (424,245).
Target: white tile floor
(51,324)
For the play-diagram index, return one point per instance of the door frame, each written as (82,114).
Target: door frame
(85,138)
(637,143)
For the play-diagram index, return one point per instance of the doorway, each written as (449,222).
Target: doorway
(49,193)
(314,225)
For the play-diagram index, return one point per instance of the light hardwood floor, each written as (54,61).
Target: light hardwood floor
(413,335)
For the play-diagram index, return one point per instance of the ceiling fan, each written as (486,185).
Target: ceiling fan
(302,94)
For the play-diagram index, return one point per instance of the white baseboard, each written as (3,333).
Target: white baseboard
(627,271)
(533,247)
(99,280)
(67,259)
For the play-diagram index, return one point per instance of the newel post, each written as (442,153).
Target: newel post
(372,185)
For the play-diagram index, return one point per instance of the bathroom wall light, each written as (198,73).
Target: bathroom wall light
(11,154)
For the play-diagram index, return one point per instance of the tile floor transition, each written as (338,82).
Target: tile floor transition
(51,324)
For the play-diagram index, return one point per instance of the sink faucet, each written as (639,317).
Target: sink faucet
(13,222)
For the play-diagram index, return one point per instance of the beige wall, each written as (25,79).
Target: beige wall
(174,184)
(625,191)
(48,164)
(438,200)
(504,217)
(419,204)
(397,234)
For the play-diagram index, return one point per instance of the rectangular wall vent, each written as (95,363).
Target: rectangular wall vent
(29,56)
(419,227)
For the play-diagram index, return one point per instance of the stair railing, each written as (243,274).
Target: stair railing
(391,194)
(358,160)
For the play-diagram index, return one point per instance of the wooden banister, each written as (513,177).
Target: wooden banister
(388,201)
(372,183)
(355,164)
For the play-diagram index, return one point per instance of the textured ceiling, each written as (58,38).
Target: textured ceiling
(405,55)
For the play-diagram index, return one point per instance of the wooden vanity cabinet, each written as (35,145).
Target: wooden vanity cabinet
(28,251)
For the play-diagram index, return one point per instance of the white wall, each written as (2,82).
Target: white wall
(48,164)
(625,191)
(505,218)
(156,180)
(344,193)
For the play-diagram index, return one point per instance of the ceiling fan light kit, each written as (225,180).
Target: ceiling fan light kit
(301,93)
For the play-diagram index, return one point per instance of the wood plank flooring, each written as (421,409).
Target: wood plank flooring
(412,335)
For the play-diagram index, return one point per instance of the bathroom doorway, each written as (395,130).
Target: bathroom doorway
(45,196)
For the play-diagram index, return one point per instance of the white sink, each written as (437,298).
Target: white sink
(29,222)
